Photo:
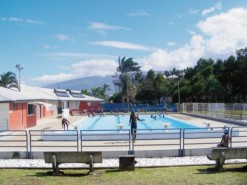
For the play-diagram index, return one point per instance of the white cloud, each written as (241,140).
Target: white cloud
(123,45)
(179,58)
(20,20)
(104,26)
(191,11)
(226,31)
(100,67)
(139,13)
(63,37)
(217,6)
(71,56)
(49,79)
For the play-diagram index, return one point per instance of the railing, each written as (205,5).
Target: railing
(53,140)
(181,140)
(105,139)
(238,140)
(159,139)
(234,111)
(13,140)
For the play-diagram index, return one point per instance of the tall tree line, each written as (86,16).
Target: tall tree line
(208,81)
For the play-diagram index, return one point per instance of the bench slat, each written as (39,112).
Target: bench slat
(73,157)
(230,153)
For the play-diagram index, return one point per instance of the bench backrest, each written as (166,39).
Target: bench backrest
(230,153)
(73,157)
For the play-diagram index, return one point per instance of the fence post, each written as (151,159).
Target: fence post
(131,144)
(30,145)
(77,139)
(81,140)
(231,136)
(182,150)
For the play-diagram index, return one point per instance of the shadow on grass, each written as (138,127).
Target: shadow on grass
(66,174)
(118,171)
(228,169)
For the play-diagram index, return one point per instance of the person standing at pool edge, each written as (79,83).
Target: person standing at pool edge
(133,123)
(65,123)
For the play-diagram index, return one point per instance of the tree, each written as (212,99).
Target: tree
(8,80)
(85,91)
(127,70)
(160,86)
(97,91)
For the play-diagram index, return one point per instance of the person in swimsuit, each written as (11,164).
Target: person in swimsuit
(65,123)
(225,139)
(133,124)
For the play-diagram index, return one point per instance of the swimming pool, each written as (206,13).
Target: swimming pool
(115,128)
(111,122)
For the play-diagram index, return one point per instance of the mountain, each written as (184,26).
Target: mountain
(85,83)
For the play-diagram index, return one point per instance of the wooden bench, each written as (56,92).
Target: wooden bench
(220,154)
(57,158)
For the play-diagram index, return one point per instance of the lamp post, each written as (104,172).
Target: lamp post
(19,67)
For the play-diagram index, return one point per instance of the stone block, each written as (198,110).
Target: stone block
(126,162)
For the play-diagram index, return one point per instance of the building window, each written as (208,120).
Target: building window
(31,109)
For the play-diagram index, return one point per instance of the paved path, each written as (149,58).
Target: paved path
(114,163)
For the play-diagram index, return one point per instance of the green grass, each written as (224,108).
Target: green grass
(196,175)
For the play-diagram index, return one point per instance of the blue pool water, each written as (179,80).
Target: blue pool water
(112,122)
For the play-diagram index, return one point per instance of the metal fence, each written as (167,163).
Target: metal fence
(232,111)
(182,140)
(14,140)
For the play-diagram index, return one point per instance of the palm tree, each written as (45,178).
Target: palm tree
(127,65)
(85,91)
(127,69)
(97,91)
(8,80)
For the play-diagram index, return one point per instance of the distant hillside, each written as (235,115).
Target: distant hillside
(85,83)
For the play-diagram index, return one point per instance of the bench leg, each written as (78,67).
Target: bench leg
(91,166)
(220,162)
(55,165)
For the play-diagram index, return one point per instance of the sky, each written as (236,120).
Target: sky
(59,40)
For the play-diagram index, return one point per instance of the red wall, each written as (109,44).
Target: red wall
(44,113)
(47,113)
(93,106)
(18,118)
(31,121)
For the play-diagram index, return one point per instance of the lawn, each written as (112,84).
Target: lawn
(198,175)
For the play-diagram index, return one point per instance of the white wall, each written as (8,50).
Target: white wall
(4,116)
